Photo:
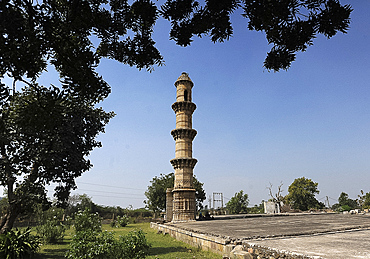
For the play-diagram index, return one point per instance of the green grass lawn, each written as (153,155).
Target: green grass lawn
(162,246)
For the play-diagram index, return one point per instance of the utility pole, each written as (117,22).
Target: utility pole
(327,200)
(218,197)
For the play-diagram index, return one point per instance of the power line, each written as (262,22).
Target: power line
(118,197)
(328,197)
(111,186)
(110,192)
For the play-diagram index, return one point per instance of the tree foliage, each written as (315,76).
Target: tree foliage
(290,25)
(156,192)
(59,32)
(80,202)
(257,209)
(302,194)
(366,204)
(364,200)
(238,203)
(344,200)
(45,136)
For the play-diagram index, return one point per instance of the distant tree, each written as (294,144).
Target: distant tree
(156,192)
(238,203)
(302,194)
(277,197)
(344,200)
(366,204)
(364,200)
(80,202)
(257,209)
(200,194)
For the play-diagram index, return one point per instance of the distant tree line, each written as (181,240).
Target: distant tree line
(77,203)
(300,197)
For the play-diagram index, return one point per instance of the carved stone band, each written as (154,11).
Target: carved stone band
(183,133)
(183,106)
(183,162)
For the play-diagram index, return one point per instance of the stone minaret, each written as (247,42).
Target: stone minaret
(181,199)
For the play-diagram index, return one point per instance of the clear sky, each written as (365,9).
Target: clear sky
(254,127)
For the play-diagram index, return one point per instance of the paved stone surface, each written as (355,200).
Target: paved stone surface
(322,235)
(351,244)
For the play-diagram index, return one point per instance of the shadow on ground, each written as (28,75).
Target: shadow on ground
(166,250)
(52,254)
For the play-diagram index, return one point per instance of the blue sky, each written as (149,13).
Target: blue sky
(254,127)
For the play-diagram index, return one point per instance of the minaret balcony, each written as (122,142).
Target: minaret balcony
(183,133)
(183,162)
(184,106)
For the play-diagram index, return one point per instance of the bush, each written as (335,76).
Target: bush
(120,221)
(132,246)
(51,232)
(103,245)
(90,242)
(86,221)
(18,244)
(345,208)
(92,245)
(51,229)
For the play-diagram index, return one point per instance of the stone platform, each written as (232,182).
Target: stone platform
(278,236)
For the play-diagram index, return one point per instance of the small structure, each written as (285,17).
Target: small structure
(180,200)
(271,207)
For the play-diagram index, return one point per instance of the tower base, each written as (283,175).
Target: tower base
(183,205)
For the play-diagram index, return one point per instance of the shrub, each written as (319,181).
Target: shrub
(51,231)
(86,221)
(50,228)
(90,242)
(132,246)
(103,245)
(18,244)
(120,221)
(345,208)
(92,245)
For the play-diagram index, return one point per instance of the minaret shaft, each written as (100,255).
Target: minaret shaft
(183,193)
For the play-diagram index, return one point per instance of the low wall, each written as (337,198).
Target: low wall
(203,241)
(229,248)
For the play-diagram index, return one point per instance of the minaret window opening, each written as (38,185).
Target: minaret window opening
(186,95)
